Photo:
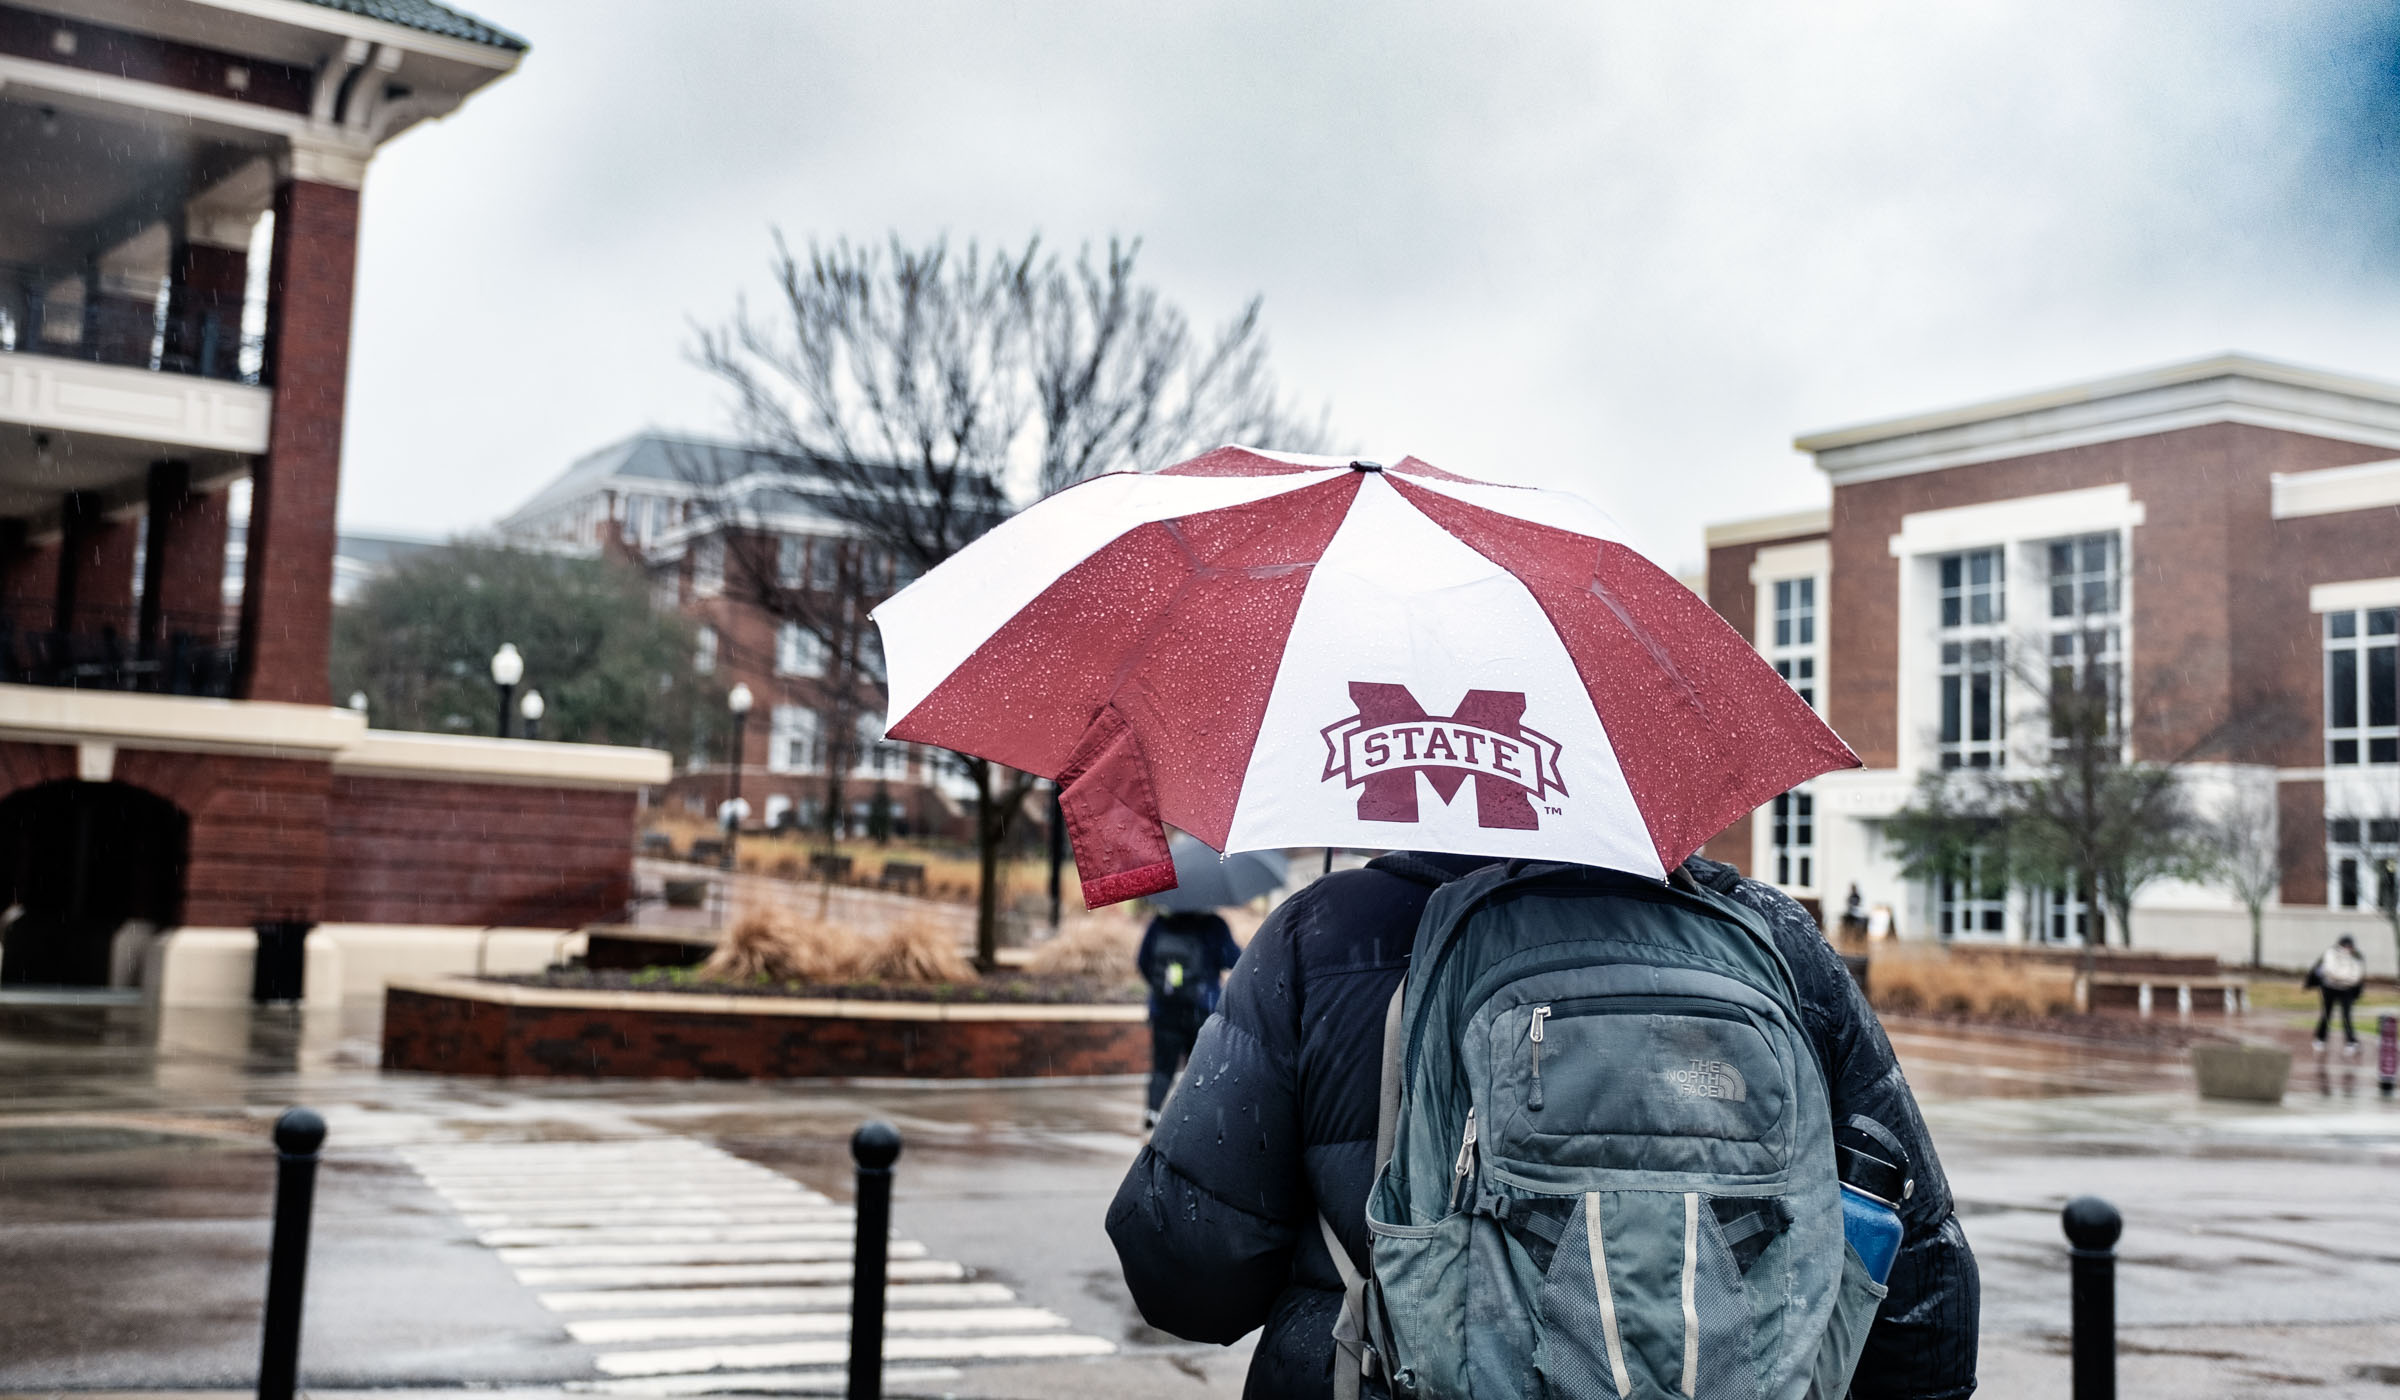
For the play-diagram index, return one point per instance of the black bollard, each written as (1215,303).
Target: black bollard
(298,1135)
(2093,1226)
(875,1146)
(2387,1052)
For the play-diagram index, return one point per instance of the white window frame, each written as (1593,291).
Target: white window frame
(824,563)
(798,651)
(704,651)
(1971,618)
(792,732)
(791,556)
(708,566)
(1972,909)
(2369,633)
(1790,623)
(2068,646)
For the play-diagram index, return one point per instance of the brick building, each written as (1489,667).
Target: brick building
(2222,538)
(178,231)
(721,529)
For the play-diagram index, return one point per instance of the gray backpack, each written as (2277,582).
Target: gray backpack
(1605,1161)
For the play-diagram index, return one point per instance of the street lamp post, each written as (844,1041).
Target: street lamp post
(531,707)
(737,700)
(507,669)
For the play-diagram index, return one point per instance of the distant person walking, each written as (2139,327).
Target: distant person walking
(1184,958)
(2338,976)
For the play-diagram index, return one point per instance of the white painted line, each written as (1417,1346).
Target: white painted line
(616,1331)
(833,1227)
(685,1360)
(639,1205)
(764,1382)
(832,1271)
(522,1183)
(761,1189)
(728,1252)
(590,1217)
(823,1296)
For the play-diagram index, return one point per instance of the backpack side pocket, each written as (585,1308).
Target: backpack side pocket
(1421,1271)
(1854,1309)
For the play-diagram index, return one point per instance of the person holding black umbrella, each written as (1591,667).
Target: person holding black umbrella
(1188,949)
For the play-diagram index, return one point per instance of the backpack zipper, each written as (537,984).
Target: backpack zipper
(1465,1166)
(1534,1101)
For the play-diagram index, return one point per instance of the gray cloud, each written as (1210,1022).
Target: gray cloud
(1625,249)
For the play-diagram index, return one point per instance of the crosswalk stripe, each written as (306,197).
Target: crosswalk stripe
(764,1382)
(720,1299)
(839,1227)
(678,1360)
(617,1331)
(710,1252)
(670,1240)
(642,1276)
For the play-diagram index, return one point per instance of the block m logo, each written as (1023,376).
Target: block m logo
(1381,749)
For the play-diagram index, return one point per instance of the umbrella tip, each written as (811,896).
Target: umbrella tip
(1364,466)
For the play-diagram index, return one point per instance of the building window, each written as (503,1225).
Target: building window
(791,739)
(1793,834)
(2086,629)
(825,565)
(878,758)
(1974,652)
(1971,906)
(704,652)
(790,551)
(708,567)
(2363,855)
(2066,916)
(1793,637)
(2362,686)
(798,651)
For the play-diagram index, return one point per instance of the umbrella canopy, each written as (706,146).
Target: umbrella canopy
(1206,880)
(1271,650)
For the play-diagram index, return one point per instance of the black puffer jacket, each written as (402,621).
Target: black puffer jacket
(1216,1222)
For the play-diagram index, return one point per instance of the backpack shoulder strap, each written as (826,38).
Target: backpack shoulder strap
(1355,1355)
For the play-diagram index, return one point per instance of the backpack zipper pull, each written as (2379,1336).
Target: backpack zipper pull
(1465,1168)
(1534,1101)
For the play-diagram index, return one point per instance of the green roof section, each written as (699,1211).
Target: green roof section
(429,18)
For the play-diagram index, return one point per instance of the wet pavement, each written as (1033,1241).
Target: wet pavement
(2262,1247)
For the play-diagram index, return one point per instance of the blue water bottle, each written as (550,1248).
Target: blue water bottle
(1872,1189)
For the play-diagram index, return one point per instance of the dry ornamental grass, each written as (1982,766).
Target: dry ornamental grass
(1929,980)
(1088,947)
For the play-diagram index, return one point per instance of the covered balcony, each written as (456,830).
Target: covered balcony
(133,310)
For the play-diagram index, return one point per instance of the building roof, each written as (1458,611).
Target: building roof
(1756,529)
(430,18)
(772,486)
(2227,388)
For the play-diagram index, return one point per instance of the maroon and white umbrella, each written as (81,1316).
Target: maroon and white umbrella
(1269,650)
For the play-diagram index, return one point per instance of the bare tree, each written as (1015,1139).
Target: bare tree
(916,394)
(2092,818)
(2243,855)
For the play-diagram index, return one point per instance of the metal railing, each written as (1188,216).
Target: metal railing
(193,654)
(131,322)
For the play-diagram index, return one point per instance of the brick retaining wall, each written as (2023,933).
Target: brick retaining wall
(483,1028)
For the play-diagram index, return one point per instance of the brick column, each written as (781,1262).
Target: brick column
(287,594)
(204,308)
(95,568)
(183,568)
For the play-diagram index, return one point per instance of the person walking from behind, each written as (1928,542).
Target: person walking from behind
(2340,973)
(1184,957)
(1219,1232)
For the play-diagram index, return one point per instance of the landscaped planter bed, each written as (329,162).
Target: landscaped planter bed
(471,1026)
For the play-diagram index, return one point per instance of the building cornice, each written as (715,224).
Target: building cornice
(2220,389)
(91,720)
(1792,525)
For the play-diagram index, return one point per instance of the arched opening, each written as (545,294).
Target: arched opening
(87,871)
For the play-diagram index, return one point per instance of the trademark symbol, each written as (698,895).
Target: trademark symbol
(1549,810)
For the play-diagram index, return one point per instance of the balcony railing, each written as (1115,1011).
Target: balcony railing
(192,655)
(113,320)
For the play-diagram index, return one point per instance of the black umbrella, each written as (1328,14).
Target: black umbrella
(1206,880)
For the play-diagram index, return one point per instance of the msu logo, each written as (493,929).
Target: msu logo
(1381,750)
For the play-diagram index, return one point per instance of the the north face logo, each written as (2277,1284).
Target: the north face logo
(1381,749)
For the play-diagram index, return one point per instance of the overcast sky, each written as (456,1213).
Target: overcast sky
(1630,249)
